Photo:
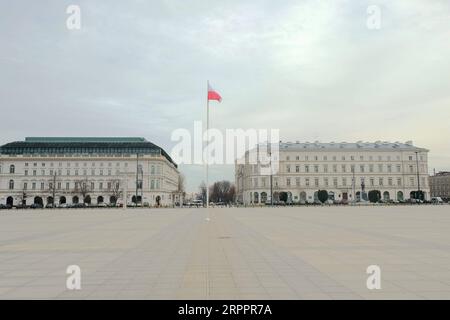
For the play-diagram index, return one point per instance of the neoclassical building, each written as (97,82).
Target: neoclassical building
(91,170)
(440,185)
(348,171)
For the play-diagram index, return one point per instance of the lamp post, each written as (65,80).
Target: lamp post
(417,171)
(271,178)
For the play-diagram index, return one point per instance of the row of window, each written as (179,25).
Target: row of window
(352,158)
(345,168)
(352,168)
(154,169)
(336,182)
(154,184)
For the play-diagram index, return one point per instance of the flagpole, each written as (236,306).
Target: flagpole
(207,144)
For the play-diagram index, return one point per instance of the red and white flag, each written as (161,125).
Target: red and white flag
(213,94)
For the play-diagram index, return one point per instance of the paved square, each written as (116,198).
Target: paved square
(227,253)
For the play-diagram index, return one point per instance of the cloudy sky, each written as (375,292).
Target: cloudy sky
(313,69)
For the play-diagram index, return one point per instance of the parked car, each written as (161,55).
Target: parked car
(50,206)
(36,206)
(102,205)
(5,206)
(437,200)
(63,205)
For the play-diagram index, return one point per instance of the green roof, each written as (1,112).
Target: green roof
(83,145)
(84,139)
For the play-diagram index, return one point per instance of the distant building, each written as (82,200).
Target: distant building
(91,170)
(348,171)
(440,185)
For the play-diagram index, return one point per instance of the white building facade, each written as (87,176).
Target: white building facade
(90,170)
(348,171)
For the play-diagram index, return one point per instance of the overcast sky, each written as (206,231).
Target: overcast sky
(313,69)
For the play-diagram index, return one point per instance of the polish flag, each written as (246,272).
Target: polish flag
(213,95)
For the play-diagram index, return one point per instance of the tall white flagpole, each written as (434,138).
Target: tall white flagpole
(207,144)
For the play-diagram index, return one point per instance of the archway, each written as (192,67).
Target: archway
(38,200)
(358,196)
(256,197)
(386,196)
(62,200)
(303,196)
(50,200)
(283,196)
(400,196)
(276,196)
(10,201)
(99,199)
(112,200)
(289,197)
(158,200)
(87,199)
(331,195)
(75,200)
(263,197)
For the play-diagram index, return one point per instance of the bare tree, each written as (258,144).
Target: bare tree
(202,193)
(181,186)
(23,196)
(114,189)
(222,191)
(52,187)
(82,187)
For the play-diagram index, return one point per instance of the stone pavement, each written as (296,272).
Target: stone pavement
(227,253)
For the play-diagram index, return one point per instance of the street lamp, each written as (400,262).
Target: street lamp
(418,179)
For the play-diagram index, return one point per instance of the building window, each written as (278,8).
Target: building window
(335,182)
(297,181)
(288,181)
(390,181)
(361,168)
(307,182)
(399,181)
(288,168)
(12,169)
(42,186)
(26,172)
(306,168)
(33,186)
(25,186)
(297,168)
(380,181)
(316,168)
(372,182)
(325,168)
(344,182)
(380,168)
(326,181)
(11,184)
